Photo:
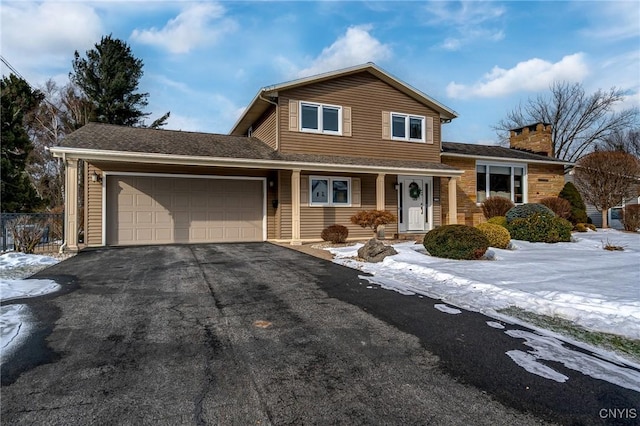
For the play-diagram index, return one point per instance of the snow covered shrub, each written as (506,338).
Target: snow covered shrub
(578,209)
(496,206)
(541,228)
(373,218)
(523,211)
(559,206)
(631,217)
(335,234)
(456,242)
(498,220)
(497,235)
(580,227)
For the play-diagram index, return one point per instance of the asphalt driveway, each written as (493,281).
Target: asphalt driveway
(253,334)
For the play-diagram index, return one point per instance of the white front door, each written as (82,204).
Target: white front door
(414,202)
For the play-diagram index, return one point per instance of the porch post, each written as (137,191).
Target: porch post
(70,205)
(453,201)
(295,207)
(380,204)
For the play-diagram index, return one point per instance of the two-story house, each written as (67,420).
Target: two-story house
(304,155)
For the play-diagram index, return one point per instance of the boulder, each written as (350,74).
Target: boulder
(375,251)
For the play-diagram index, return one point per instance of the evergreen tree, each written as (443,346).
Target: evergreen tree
(109,77)
(18,102)
(578,209)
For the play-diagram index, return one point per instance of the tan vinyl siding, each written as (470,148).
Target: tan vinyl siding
(284,209)
(437,205)
(93,216)
(367,97)
(265,128)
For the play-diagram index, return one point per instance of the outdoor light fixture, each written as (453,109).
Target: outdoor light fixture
(396,186)
(95,177)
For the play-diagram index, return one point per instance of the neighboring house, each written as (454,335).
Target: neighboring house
(304,155)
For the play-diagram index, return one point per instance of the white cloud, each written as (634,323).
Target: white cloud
(355,47)
(37,36)
(198,25)
(471,21)
(613,20)
(531,75)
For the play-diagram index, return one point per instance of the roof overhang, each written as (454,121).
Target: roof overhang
(508,159)
(265,164)
(260,102)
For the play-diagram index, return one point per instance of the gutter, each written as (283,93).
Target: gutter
(134,157)
(507,159)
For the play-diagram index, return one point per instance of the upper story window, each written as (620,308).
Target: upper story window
(407,127)
(500,180)
(320,118)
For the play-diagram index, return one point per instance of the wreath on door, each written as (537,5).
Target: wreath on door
(414,190)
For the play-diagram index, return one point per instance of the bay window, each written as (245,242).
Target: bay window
(500,180)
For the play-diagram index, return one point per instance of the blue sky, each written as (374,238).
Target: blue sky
(205,61)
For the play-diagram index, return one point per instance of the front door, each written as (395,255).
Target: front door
(415,203)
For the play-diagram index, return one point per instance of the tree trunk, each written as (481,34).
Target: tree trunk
(605,218)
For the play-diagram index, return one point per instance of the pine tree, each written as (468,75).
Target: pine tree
(578,209)
(18,102)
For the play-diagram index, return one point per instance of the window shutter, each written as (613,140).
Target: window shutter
(356,192)
(293,115)
(429,130)
(386,126)
(304,190)
(346,121)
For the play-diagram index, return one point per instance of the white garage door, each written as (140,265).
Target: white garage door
(165,210)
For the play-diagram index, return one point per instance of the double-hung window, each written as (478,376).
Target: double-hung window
(320,118)
(500,180)
(407,127)
(329,191)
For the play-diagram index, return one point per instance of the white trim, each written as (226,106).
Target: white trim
(407,127)
(330,202)
(507,159)
(320,117)
(155,158)
(106,174)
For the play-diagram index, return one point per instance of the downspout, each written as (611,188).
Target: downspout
(64,192)
(277,118)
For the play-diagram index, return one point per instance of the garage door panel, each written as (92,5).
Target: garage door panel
(162,210)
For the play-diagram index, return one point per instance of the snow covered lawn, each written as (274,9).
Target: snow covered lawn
(15,318)
(577,281)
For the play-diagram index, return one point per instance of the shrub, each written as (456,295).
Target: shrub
(583,227)
(498,220)
(541,228)
(496,206)
(560,206)
(335,234)
(523,211)
(578,209)
(27,233)
(372,219)
(456,242)
(497,235)
(631,217)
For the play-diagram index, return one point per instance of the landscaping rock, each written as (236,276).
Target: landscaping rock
(375,251)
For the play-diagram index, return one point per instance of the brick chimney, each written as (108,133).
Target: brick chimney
(535,138)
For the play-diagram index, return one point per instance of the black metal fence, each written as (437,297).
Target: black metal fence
(46,230)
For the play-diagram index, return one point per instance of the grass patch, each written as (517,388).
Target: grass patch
(622,345)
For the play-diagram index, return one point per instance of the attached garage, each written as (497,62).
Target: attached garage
(151,209)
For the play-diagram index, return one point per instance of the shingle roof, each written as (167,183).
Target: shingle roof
(495,151)
(107,137)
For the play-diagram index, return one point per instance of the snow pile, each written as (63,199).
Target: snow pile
(14,319)
(578,281)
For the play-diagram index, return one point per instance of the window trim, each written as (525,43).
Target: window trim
(512,166)
(330,202)
(320,116)
(407,127)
